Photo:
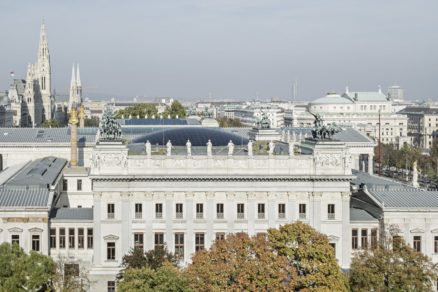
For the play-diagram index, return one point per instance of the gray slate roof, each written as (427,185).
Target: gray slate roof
(29,186)
(72,214)
(361,215)
(33,197)
(392,194)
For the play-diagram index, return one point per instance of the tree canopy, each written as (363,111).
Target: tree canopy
(310,253)
(293,257)
(24,272)
(225,122)
(240,263)
(52,123)
(166,278)
(175,110)
(392,267)
(139,110)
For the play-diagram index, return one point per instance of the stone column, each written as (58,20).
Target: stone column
(169,238)
(272,209)
(210,214)
(127,238)
(291,208)
(149,207)
(346,231)
(370,163)
(251,213)
(189,237)
(97,236)
(315,220)
(230,210)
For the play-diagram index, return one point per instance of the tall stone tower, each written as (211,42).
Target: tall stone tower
(44,74)
(38,100)
(75,98)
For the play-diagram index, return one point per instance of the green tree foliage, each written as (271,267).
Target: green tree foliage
(176,109)
(225,122)
(24,272)
(392,269)
(166,278)
(152,259)
(310,253)
(50,124)
(141,109)
(92,122)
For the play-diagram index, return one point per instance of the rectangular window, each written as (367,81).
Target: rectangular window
(158,210)
(110,251)
(138,240)
(79,185)
(111,286)
(71,270)
(110,211)
(90,238)
(302,211)
(281,211)
(35,242)
(374,238)
(396,242)
(331,211)
(261,211)
(240,211)
(220,211)
(179,211)
(354,239)
(435,244)
(364,238)
(179,245)
(220,235)
(71,238)
(138,211)
(15,239)
(333,245)
(81,239)
(52,237)
(199,211)
(61,237)
(417,243)
(159,239)
(199,241)
(64,185)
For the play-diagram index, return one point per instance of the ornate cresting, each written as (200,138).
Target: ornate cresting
(110,130)
(321,131)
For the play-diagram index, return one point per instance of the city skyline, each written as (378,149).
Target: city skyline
(199,49)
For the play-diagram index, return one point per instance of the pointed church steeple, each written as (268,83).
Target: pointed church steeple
(78,76)
(43,48)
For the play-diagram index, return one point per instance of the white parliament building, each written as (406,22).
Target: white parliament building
(156,189)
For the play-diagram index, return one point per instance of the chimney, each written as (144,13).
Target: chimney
(73,138)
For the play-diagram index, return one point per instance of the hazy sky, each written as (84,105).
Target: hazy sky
(231,49)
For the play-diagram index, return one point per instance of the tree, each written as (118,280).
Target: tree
(153,259)
(310,253)
(21,271)
(92,122)
(240,263)
(139,110)
(165,278)
(175,109)
(70,276)
(393,266)
(225,122)
(50,124)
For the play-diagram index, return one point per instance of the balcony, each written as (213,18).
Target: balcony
(138,215)
(240,215)
(199,215)
(281,215)
(110,216)
(179,215)
(261,215)
(331,216)
(302,216)
(158,215)
(220,216)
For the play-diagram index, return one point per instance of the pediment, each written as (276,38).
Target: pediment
(15,230)
(35,229)
(417,230)
(333,238)
(434,230)
(111,237)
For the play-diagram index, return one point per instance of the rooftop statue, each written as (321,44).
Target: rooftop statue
(109,128)
(263,122)
(322,132)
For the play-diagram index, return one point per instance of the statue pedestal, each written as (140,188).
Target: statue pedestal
(257,134)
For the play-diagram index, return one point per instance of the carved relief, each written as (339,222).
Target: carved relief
(330,160)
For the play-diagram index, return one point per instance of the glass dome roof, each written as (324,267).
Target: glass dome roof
(197,136)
